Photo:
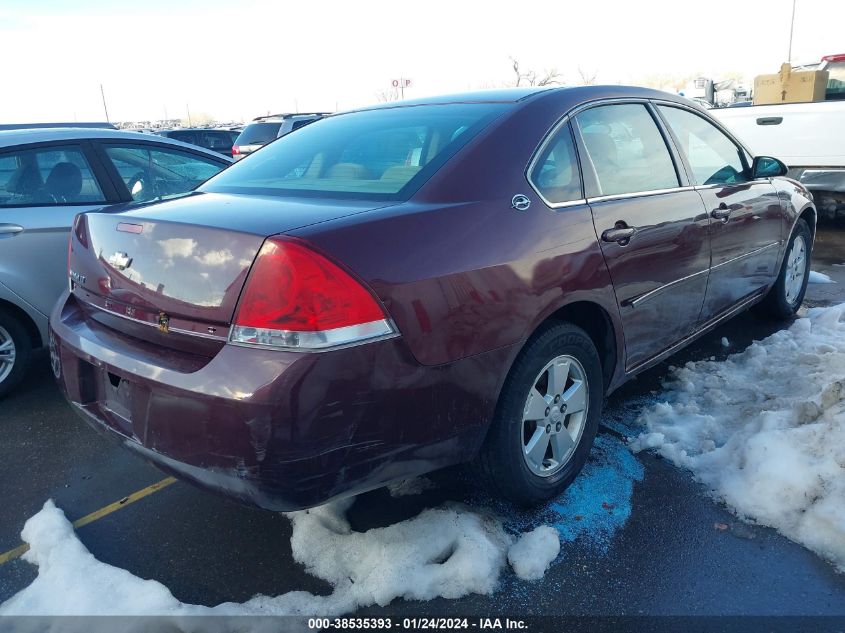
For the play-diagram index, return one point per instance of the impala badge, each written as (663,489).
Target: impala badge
(119,260)
(163,323)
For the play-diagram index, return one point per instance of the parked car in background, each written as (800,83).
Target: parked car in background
(808,137)
(47,176)
(264,129)
(220,141)
(409,286)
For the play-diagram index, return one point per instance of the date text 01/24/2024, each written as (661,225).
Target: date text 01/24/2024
(421,623)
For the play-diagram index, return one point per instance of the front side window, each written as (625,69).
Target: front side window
(47,176)
(152,173)
(555,174)
(712,156)
(626,150)
(381,154)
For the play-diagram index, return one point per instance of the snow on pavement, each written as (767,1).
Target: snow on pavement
(819,278)
(448,551)
(765,430)
(532,554)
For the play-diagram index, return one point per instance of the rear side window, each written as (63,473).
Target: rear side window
(184,136)
(301,123)
(47,176)
(216,140)
(380,154)
(152,173)
(714,158)
(626,150)
(258,133)
(555,173)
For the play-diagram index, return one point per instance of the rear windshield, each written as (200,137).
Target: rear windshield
(836,81)
(379,154)
(258,133)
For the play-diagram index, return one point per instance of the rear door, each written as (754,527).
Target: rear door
(144,172)
(746,228)
(652,227)
(42,188)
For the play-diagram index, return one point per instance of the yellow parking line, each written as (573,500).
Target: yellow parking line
(97,514)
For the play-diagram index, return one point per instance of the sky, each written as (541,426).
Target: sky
(236,60)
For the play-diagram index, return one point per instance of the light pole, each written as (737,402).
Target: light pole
(103,95)
(791,28)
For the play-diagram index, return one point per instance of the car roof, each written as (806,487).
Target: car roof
(279,118)
(573,95)
(11,138)
(194,129)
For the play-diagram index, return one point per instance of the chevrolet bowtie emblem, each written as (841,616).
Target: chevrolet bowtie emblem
(119,260)
(163,323)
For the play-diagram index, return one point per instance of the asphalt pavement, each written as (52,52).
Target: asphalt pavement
(641,537)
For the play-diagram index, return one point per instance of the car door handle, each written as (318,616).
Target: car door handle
(621,234)
(770,120)
(723,212)
(10,229)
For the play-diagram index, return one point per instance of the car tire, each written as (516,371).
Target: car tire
(530,461)
(785,296)
(15,344)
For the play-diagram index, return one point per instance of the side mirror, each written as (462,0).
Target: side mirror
(767,167)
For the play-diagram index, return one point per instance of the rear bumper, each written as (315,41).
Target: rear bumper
(280,430)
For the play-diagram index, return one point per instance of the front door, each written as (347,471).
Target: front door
(653,233)
(746,227)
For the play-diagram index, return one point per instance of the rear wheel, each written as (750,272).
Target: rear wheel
(546,419)
(15,351)
(785,296)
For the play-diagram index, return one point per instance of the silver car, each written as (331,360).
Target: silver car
(47,176)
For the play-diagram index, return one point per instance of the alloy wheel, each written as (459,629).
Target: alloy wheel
(7,353)
(796,268)
(554,415)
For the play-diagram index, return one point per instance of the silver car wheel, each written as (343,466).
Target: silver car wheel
(796,269)
(554,416)
(7,354)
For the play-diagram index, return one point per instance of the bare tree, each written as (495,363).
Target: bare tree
(388,95)
(586,78)
(531,78)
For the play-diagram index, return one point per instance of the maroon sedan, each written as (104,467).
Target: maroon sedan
(401,288)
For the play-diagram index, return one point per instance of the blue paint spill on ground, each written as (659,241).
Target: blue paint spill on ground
(598,503)
(593,508)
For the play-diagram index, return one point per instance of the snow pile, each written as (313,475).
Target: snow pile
(765,429)
(532,554)
(447,552)
(819,278)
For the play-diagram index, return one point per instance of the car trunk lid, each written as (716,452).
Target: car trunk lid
(176,269)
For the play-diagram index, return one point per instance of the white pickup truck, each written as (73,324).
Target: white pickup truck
(808,137)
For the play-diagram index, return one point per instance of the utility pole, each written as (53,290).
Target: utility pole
(791,28)
(188,108)
(103,95)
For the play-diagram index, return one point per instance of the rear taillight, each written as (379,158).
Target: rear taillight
(296,298)
(834,58)
(235,150)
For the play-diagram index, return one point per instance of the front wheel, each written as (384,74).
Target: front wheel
(15,349)
(546,419)
(785,296)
